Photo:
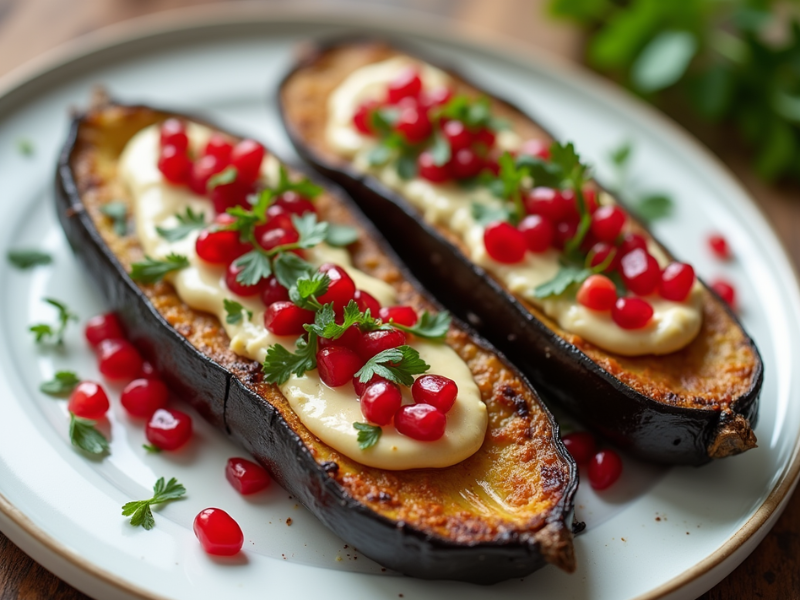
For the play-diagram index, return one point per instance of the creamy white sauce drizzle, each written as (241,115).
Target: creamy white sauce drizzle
(329,413)
(674,324)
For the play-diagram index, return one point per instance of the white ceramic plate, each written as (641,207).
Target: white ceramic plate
(659,532)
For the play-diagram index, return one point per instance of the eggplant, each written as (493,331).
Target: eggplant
(416,522)
(687,407)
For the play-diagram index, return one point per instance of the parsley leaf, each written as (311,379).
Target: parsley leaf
(224,177)
(430,327)
(118,213)
(311,231)
(407,165)
(653,207)
(544,173)
(566,276)
(27,259)
(236,312)
(302,187)
(395,364)
(61,384)
(151,270)
(289,268)
(485,215)
(83,435)
(440,151)
(306,289)
(325,325)
(341,235)
(368,435)
(25,147)
(139,510)
(279,364)
(150,449)
(44,332)
(255,266)
(187,223)
(474,113)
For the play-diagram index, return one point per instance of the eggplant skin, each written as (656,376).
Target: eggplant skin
(689,407)
(404,520)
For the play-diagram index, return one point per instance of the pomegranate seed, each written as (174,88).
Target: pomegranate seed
(598,254)
(504,243)
(598,292)
(118,359)
(274,292)
(220,247)
(148,371)
(366,301)
(546,202)
(380,401)
(465,163)
(581,445)
(360,388)
(218,533)
(590,198)
(238,288)
(492,162)
(407,84)
(457,134)
(536,148)
(420,422)
(726,291)
(277,218)
(631,313)
(676,281)
(607,223)
(168,429)
(429,170)
(203,169)
(295,204)
(362,119)
(173,133)
(435,97)
(631,242)
(373,342)
(414,124)
(247,156)
(719,246)
(143,397)
(174,165)
(284,318)
(103,327)
(245,476)
(640,272)
(228,195)
(604,469)
(349,339)
(484,136)
(569,203)
(337,365)
(88,400)
(272,238)
(402,315)
(219,147)
(538,232)
(436,390)
(341,288)
(565,231)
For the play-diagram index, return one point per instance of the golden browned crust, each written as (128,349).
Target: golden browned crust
(718,367)
(518,462)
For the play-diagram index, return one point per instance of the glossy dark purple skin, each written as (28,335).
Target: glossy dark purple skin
(247,418)
(644,427)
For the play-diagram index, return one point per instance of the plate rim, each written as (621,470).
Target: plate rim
(182,20)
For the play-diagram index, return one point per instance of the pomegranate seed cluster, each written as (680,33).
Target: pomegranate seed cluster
(604,467)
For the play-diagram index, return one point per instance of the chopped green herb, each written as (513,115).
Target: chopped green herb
(118,213)
(653,207)
(236,312)
(150,449)
(368,435)
(279,363)
(27,259)
(255,266)
(25,147)
(187,223)
(395,364)
(306,289)
(139,510)
(84,435)
(61,384)
(341,235)
(289,268)
(407,165)
(151,270)
(224,177)
(566,276)
(430,327)
(485,215)
(440,151)
(54,333)
(310,231)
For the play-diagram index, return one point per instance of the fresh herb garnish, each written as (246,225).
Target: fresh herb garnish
(306,289)
(340,236)
(486,215)
(61,384)
(187,223)
(474,113)
(653,207)
(430,327)
(368,435)
(118,213)
(224,177)
(279,364)
(567,275)
(25,147)
(139,510)
(289,267)
(151,449)
(84,435)
(255,266)
(236,312)
(45,332)
(151,270)
(647,206)
(27,259)
(395,364)
(440,151)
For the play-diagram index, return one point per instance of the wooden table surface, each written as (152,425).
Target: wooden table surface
(30,27)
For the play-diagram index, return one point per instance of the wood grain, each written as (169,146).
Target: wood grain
(30,27)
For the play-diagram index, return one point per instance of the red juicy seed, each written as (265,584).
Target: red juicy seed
(366,301)
(726,291)
(435,97)
(228,195)
(219,247)
(640,272)
(295,204)
(719,246)
(485,137)
(492,162)
(362,119)
(538,232)
(428,169)
(420,422)
(380,401)
(565,231)
(457,134)
(607,223)
(218,533)
(238,288)
(504,243)
(274,292)
(219,147)
(407,84)
(168,429)
(88,400)
(414,124)
(246,156)
(277,218)
(118,359)
(148,371)
(377,341)
(143,397)
(547,203)
(436,390)
(535,147)
(341,288)
(284,318)
(604,469)
(337,365)
(590,197)
(581,445)
(245,476)
(598,292)
(349,339)
(173,133)
(103,327)
(465,163)
(224,219)
(360,388)
(631,313)
(272,238)
(402,315)
(598,254)
(203,169)
(569,203)
(676,281)
(174,165)
(630,242)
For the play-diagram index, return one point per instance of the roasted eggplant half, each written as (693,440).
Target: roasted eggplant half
(503,512)
(686,406)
